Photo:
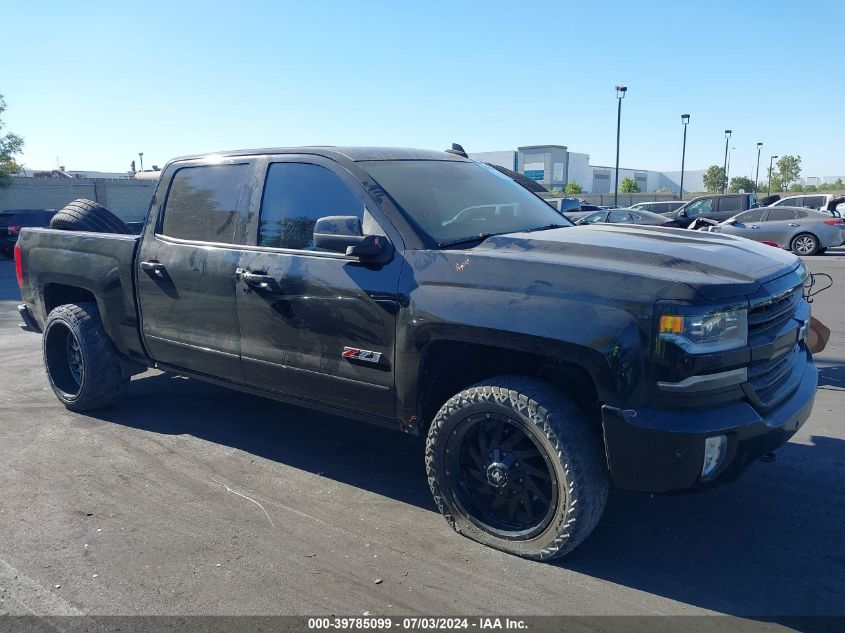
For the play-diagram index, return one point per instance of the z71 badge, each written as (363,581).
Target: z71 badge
(361,354)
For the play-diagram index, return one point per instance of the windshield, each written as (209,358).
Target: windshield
(456,201)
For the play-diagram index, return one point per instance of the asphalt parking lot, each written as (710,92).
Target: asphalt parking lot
(190,499)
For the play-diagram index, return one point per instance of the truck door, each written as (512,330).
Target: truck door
(316,325)
(187,265)
(729,206)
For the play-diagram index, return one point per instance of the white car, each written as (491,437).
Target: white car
(818,201)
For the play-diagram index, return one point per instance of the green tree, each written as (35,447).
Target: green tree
(741,183)
(573,187)
(714,179)
(810,188)
(797,187)
(10,144)
(774,180)
(789,170)
(629,185)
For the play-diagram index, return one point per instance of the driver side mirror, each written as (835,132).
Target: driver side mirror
(682,213)
(343,234)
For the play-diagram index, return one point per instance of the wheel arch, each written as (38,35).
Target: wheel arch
(578,370)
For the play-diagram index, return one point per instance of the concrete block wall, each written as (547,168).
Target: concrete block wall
(128,199)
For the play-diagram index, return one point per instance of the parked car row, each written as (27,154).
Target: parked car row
(12,221)
(804,231)
(801,230)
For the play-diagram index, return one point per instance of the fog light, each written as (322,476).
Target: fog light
(714,453)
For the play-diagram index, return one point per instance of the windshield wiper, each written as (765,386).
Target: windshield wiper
(461,240)
(547,227)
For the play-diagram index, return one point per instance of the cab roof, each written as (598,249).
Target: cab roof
(354,154)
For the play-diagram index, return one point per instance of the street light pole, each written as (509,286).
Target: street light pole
(728,170)
(141,156)
(769,191)
(620,94)
(685,122)
(757,173)
(725,168)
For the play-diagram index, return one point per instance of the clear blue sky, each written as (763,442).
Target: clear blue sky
(96,82)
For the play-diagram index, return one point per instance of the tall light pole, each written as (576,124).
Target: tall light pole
(757,173)
(141,156)
(725,169)
(685,122)
(728,170)
(620,94)
(769,192)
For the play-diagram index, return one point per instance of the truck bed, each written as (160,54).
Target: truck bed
(58,263)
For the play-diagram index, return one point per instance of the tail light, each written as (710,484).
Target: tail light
(834,222)
(18,266)
(13,229)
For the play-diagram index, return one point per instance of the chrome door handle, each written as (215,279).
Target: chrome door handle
(154,268)
(260,281)
(793,224)
(753,226)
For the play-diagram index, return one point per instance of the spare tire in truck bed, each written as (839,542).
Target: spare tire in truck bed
(86,215)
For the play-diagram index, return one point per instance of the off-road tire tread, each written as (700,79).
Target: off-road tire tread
(105,382)
(565,426)
(86,215)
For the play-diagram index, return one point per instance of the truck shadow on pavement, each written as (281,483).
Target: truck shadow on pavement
(770,544)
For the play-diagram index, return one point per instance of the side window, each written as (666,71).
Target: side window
(814,202)
(296,195)
(784,213)
(730,204)
(700,206)
(203,201)
(802,214)
(618,216)
(593,218)
(750,216)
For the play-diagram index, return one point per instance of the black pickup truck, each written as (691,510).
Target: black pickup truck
(716,207)
(432,294)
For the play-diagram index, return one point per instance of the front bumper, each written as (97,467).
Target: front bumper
(651,450)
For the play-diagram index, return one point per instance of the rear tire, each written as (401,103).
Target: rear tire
(86,215)
(514,464)
(804,244)
(82,364)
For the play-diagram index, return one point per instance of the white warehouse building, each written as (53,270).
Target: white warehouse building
(554,166)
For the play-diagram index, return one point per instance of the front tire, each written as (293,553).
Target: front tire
(82,364)
(805,244)
(514,464)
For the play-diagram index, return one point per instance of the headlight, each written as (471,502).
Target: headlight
(704,333)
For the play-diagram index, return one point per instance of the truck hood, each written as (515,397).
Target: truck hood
(716,266)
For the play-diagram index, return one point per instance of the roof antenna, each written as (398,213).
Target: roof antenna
(457,149)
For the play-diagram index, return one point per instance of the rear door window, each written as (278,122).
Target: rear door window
(730,204)
(203,202)
(814,202)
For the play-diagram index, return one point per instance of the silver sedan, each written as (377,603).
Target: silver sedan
(803,231)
